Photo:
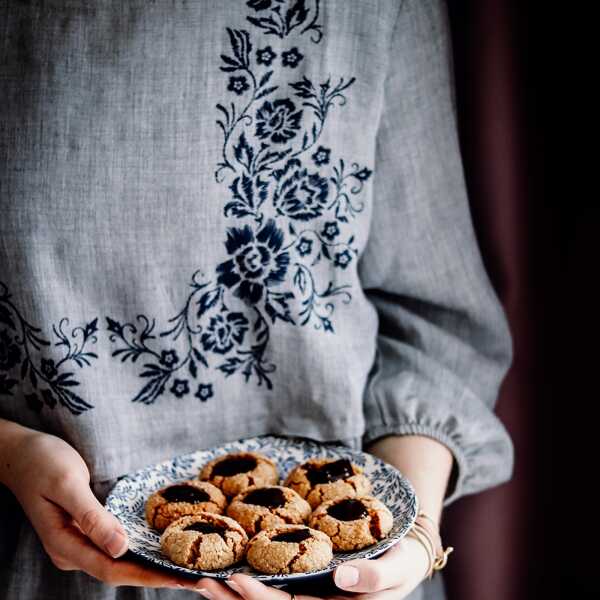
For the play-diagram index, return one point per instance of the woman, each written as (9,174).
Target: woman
(222,220)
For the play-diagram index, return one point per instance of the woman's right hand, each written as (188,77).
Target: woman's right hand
(52,483)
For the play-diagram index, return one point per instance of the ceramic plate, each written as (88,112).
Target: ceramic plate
(127,499)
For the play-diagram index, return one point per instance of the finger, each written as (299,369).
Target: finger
(103,528)
(403,562)
(251,589)
(71,549)
(214,590)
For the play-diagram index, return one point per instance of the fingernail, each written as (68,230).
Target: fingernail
(234,586)
(346,577)
(205,593)
(117,544)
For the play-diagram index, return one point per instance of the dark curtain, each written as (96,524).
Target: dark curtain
(500,541)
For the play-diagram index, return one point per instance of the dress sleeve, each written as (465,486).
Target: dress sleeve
(443,343)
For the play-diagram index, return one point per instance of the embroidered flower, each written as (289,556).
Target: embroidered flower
(291,58)
(180,388)
(10,353)
(265,56)
(223,332)
(204,392)
(300,194)
(238,84)
(256,261)
(304,246)
(342,259)
(278,120)
(330,230)
(321,156)
(49,368)
(168,358)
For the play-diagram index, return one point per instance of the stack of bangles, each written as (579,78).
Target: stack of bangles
(425,529)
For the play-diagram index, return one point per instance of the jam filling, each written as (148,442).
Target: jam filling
(297,536)
(348,510)
(234,465)
(339,469)
(185,493)
(204,527)
(269,497)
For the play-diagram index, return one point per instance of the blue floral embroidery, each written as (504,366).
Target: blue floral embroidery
(22,343)
(284,183)
(281,17)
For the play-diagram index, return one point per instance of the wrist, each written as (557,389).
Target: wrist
(424,461)
(12,439)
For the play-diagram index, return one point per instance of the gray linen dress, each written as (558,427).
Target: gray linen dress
(225,219)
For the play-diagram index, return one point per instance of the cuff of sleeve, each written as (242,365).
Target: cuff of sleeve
(456,483)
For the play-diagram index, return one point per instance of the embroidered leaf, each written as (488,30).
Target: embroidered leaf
(243,152)
(265,78)
(6,318)
(200,357)
(237,209)
(266,92)
(235,65)
(193,368)
(267,24)
(24,368)
(207,300)
(152,370)
(153,389)
(62,377)
(6,385)
(33,377)
(248,190)
(296,15)
(325,251)
(72,401)
(69,383)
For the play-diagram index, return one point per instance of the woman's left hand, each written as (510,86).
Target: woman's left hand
(391,577)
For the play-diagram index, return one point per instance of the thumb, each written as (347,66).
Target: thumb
(373,575)
(102,527)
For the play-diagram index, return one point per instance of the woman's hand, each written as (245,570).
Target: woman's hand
(51,482)
(391,577)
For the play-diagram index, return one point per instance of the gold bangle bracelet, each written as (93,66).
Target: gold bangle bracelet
(426,531)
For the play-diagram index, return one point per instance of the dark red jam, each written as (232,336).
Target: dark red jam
(348,510)
(185,493)
(339,469)
(269,497)
(234,465)
(204,527)
(296,536)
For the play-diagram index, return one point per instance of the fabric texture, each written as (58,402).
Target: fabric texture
(220,220)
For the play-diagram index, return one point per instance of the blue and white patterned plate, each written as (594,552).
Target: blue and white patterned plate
(127,499)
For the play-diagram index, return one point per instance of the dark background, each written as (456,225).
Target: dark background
(505,539)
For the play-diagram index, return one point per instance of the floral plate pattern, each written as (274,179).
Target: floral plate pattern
(127,499)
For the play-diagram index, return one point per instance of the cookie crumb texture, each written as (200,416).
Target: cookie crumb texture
(234,473)
(266,507)
(205,541)
(353,523)
(319,480)
(289,549)
(180,499)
